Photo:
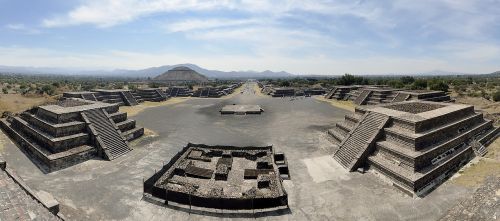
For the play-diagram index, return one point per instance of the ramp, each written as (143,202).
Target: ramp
(108,136)
(354,149)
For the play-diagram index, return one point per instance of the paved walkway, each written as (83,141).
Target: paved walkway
(15,204)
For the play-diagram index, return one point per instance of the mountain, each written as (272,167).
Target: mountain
(148,72)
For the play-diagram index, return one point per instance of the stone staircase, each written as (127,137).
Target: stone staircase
(355,147)
(362,97)
(162,95)
(89,97)
(400,97)
(205,93)
(128,98)
(331,93)
(110,140)
(174,92)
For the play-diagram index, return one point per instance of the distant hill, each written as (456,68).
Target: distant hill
(144,73)
(182,74)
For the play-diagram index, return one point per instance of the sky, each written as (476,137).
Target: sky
(297,36)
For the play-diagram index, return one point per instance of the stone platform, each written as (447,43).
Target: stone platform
(416,144)
(71,131)
(222,177)
(241,109)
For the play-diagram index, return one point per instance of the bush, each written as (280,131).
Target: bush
(496,96)
(48,89)
(5,91)
(439,86)
(419,84)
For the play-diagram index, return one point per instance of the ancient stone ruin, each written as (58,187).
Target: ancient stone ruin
(415,144)
(282,92)
(221,177)
(115,96)
(340,92)
(377,95)
(150,94)
(216,92)
(240,109)
(71,131)
(178,91)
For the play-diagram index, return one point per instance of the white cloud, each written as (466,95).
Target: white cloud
(201,24)
(22,28)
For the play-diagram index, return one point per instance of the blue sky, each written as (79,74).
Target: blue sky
(298,36)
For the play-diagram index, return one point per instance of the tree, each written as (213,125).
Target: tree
(285,84)
(48,89)
(419,84)
(439,86)
(407,80)
(496,96)
(347,79)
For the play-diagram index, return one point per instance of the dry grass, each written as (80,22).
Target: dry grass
(475,173)
(491,109)
(347,105)
(236,92)
(257,90)
(17,103)
(134,110)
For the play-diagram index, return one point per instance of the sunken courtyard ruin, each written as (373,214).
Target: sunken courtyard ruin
(222,177)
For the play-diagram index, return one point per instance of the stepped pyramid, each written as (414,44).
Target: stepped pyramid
(71,131)
(416,144)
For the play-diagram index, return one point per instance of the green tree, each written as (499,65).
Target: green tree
(439,86)
(285,84)
(407,80)
(419,84)
(496,96)
(48,89)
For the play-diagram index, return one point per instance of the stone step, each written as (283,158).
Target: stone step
(355,145)
(111,138)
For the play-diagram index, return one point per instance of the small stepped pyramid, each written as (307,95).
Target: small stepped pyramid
(362,97)
(355,147)
(112,142)
(128,98)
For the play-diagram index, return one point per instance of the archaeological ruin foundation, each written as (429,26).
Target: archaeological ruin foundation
(370,95)
(221,177)
(71,131)
(150,94)
(241,109)
(415,144)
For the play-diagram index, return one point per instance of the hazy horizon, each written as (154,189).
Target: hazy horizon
(299,37)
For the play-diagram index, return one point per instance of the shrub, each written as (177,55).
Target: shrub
(419,84)
(439,86)
(5,91)
(496,96)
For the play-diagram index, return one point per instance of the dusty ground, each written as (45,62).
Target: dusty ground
(319,189)
(134,110)
(347,105)
(17,103)
(491,109)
